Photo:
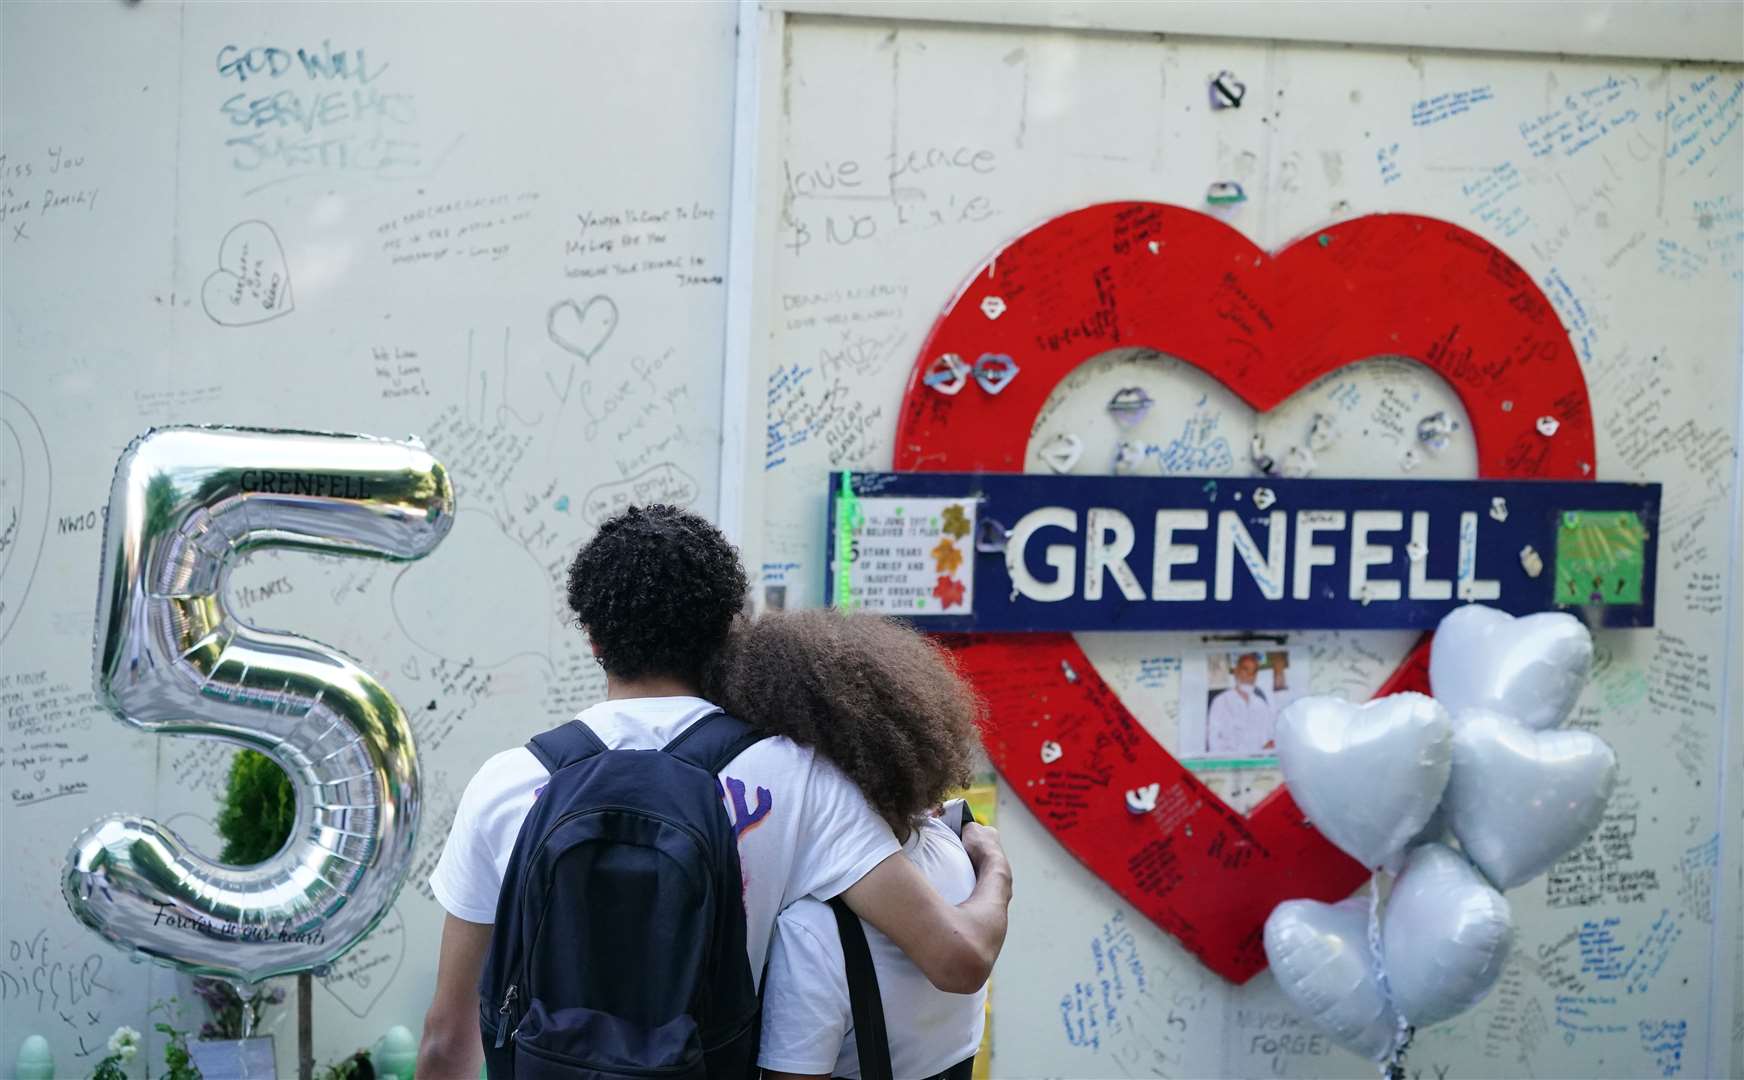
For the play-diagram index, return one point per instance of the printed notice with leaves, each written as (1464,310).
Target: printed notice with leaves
(911,556)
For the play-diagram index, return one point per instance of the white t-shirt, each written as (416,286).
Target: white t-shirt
(1243,719)
(808,1024)
(804,828)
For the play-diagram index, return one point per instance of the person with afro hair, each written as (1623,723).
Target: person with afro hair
(889,707)
(656,591)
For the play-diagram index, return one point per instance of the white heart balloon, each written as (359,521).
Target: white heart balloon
(1445,936)
(1434,832)
(1369,777)
(1319,953)
(1531,668)
(1521,799)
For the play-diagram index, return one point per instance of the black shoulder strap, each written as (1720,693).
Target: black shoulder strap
(713,741)
(565,744)
(870,1038)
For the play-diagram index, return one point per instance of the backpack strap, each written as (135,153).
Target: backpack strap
(713,741)
(564,745)
(870,1038)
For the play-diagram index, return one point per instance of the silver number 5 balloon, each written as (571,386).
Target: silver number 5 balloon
(171,659)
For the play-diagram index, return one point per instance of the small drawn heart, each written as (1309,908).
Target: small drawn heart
(582,329)
(1520,799)
(351,978)
(252,283)
(1051,751)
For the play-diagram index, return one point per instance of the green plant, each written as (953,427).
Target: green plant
(258,811)
(254,821)
(178,1063)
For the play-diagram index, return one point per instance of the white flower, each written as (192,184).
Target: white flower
(124,1043)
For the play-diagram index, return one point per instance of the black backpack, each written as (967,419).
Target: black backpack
(619,944)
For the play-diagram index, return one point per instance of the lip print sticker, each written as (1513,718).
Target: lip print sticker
(252,283)
(1382,285)
(948,374)
(1063,452)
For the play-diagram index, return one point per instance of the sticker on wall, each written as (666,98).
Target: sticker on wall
(1225,193)
(1062,452)
(909,556)
(1227,91)
(994,371)
(1601,558)
(1130,405)
(948,374)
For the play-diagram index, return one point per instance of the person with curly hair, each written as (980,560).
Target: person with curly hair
(889,708)
(657,591)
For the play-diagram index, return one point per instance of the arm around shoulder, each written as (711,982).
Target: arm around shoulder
(955,947)
(450,1048)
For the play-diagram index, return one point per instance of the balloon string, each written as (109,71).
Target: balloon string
(246,1020)
(1393,1066)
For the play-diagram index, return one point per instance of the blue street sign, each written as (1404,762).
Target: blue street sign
(1015,551)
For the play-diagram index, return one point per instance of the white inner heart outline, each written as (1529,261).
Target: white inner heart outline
(1201,428)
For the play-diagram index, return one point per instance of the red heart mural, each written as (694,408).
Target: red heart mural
(1183,283)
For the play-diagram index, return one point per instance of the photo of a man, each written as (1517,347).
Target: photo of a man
(1230,702)
(1242,716)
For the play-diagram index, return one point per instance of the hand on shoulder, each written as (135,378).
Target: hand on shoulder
(986,854)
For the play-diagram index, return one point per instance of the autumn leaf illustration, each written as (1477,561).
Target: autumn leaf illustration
(948,557)
(949,591)
(956,522)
